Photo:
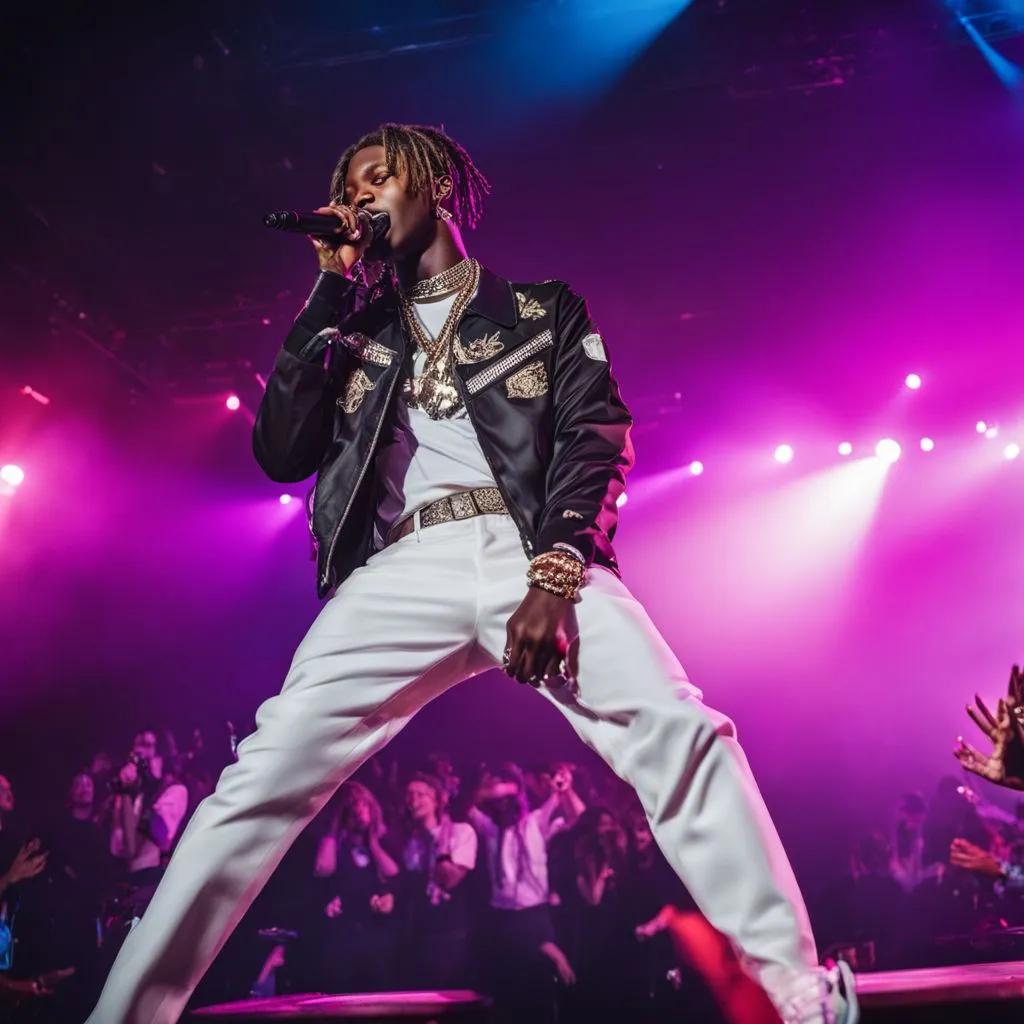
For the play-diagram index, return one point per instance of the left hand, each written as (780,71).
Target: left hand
(382,903)
(1005,765)
(542,635)
(963,854)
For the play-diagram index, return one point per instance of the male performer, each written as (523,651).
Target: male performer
(469,443)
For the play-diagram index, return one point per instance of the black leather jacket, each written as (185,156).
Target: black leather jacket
(544,404)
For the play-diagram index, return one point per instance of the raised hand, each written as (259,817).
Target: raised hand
(1005,765)
(333,909)
(963,854)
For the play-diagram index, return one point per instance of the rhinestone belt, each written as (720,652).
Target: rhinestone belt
(484,501)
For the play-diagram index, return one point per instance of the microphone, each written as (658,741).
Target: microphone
(325,225)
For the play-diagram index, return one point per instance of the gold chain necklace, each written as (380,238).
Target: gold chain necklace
(449,280)
(434,391)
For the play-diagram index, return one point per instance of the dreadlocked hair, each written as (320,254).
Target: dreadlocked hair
(425,154)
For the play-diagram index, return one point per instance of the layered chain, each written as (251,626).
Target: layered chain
(434,390)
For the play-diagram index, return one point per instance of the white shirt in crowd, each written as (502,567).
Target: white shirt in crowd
(522,881)
(426,459)
(171,806)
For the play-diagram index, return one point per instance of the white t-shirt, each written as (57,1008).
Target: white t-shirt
(426,459)
(460,845)
(523,856)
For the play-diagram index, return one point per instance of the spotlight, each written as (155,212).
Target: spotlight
(888,450)
(913,381)
(233,402)
(784,453)
(845,448)
(927,444)
(1011,451)
(13,476)
(981,426)
(992,432)
(622,499)
(285,499)
(696,468)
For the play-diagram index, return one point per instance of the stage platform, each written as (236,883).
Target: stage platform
(986,993)
(983,993)
(380,1007)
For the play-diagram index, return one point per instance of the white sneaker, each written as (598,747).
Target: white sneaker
(825,996)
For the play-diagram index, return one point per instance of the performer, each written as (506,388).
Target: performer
(470,445)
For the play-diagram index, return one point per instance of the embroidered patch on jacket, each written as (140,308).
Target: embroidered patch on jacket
(570,513)
(529,382)
(368,350)
(356,387)
(530,309)
(594,347)
(479,349)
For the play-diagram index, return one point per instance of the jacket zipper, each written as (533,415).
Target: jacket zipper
(359,480)
(509,504)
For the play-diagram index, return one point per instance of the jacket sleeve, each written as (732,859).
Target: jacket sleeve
(294,421)
(592,450)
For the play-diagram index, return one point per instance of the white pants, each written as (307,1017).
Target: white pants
(422,615)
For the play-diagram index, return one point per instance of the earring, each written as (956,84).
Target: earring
(440,213)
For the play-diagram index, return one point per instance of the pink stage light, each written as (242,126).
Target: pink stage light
(913,381)
(696,468)
(784,453)
(622,499)
(992,432)
(13,476)
(285,499)
(1011,451)
(845,448)
(927,444)
(233,403)
(888,450)
(981,426)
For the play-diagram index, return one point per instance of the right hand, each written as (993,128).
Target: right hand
(129,775)
(1005,765)
(28,863)
(340,256)
(333,909)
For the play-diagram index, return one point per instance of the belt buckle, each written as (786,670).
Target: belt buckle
(462,505)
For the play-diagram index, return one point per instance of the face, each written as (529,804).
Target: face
(6,796)
(420,801)
(362,813)
(642,837)
(605,825)
(144,745)
(370,185)
(82,789)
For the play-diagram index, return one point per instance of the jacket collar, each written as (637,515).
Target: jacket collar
(495,300)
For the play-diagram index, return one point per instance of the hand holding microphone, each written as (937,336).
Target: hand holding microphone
(340,234)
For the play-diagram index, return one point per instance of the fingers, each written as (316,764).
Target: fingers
(982,707)
(982,718)
(519,660)
(572,662)
(349,224)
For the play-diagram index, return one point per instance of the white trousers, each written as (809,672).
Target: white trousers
(422,615)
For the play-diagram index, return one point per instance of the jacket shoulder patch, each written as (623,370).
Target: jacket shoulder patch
(594,347)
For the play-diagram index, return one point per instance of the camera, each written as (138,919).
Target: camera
(115,785)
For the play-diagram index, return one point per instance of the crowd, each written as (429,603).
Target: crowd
(541,885)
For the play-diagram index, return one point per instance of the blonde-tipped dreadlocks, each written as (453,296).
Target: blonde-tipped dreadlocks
(425,154)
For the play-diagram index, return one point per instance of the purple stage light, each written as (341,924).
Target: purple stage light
(1011,451)
(285,499)
(927,444)
(13,476)
(888,450)
(992,432)
(696,468)
(981,426)
(622,499)
(845,448)
(784,453)
(913,381)
(233,403)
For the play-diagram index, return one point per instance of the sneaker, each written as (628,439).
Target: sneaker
(825,996)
